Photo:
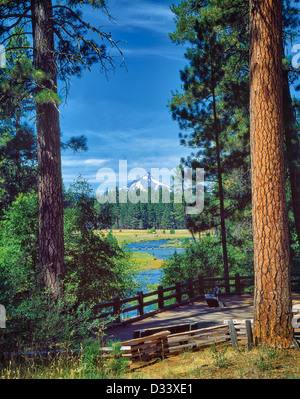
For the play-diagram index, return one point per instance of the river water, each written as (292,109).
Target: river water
(157,249)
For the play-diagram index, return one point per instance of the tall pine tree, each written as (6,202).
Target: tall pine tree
(60,48)
(272,297)
(203,109)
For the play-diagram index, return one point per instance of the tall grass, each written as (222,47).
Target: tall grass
(87,363)
(215,362)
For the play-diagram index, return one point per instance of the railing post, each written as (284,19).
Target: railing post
(238,287)
(160,297)
(178,291)
(141,303)
(190,288)
(233,335)
(249,333)
(201,285)
(117,308)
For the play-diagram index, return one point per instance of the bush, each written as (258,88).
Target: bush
(40,322)
(96,269)
(205,259)
(100,267)
(19,248)
(197,259)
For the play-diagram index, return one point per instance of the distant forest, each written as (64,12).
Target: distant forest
(142,215)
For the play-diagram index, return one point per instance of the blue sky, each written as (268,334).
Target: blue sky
(125,116)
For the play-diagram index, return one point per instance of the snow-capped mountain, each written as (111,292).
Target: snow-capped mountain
(145,182)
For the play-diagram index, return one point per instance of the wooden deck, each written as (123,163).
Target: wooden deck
(237,307)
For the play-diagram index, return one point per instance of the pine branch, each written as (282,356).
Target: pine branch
(16,34)
(25,15)
(19,47)
(87,25)
(19,19)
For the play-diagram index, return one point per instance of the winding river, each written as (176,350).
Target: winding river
(156,248)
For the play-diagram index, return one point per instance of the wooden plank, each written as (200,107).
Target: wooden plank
(146,345)
(146,294)
(193,332)
(130,299)
(176,328)
(173,287)
(153,346)
(130,308)
(142,345)
(150,302)
(198,339)
(197,345)
(171,296)
(158,351)
(199,335)
(145,339)
(233,335)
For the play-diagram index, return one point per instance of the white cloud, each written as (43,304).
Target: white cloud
(147,15)
(68,161)
(175,53)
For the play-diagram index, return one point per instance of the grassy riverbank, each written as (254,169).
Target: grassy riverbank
(130,236)
(146,261)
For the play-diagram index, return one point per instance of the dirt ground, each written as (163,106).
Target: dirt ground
(236,307)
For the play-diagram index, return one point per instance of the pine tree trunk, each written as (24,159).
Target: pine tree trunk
(51,238)
(221,195)
(272,296)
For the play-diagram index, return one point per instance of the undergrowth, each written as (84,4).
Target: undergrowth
(215,362)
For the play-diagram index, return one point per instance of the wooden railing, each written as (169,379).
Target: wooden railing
(142,304)
(164,343)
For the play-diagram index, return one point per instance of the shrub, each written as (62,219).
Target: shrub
(197,259)
(40,322)
(96,269)
(100,267)
(218,354)
(205,258)
(19,248)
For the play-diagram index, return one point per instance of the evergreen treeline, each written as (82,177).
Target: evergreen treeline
(142,215)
